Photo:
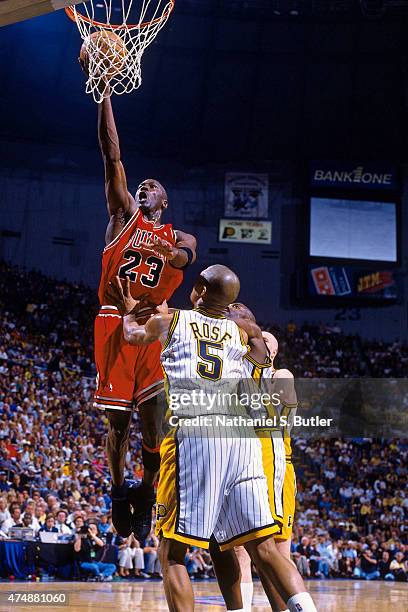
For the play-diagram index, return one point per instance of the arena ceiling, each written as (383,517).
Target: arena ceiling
(227,81)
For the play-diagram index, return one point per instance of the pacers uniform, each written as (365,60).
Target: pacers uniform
(211,479)
(125,373)
(276,446)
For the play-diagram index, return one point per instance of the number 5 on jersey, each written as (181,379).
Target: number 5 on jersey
(211,366)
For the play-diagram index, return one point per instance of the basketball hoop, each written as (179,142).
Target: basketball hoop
(115,35)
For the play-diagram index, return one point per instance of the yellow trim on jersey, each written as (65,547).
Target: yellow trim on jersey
(286,409)
(187,540)
(167,499)
(252,535)
(172,327)
(289,503)
(255,363)
(208,314)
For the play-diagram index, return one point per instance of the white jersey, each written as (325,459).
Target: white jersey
(220,482)
(203,358)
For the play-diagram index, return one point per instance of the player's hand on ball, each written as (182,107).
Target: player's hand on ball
(162,247)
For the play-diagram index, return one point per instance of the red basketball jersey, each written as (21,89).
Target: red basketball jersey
(148,272)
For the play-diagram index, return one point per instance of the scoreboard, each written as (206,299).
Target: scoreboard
(351,253)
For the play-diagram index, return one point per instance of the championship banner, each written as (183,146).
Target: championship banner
(246,195)
(347,281)
(342,175)
(255,232)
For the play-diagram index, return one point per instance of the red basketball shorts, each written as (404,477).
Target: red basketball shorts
(126,375)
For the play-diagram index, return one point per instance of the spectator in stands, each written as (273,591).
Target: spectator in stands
(367,566)
(384,566)
(151,559)
(49,525)
(89,548)
(14,520)
(399,567)
(30,522)
(4,512)
(130,555)
(61,523)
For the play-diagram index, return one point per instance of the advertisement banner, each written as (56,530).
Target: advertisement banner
(246,195)
(343,175)
(237,230)
(348,281)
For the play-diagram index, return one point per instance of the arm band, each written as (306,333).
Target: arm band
(189,254)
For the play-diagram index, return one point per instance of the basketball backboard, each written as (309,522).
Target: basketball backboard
(12,11)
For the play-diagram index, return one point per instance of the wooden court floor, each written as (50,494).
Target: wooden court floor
(329,596)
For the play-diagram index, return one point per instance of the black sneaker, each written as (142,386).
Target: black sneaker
(121,511)
(142,498)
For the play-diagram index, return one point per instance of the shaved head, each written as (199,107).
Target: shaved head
(271,342)
(221,282)
(217,286)
(240,311)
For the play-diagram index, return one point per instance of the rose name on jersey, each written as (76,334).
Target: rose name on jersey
(209,331)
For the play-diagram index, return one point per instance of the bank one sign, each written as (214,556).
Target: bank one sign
(353,176)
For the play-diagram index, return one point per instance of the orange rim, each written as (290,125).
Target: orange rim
(71,14)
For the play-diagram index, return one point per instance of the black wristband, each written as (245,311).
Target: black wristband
(189,254)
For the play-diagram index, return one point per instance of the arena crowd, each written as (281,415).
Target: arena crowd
(352,501)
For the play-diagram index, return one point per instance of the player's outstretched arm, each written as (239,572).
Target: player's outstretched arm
(156,328)
(121,204)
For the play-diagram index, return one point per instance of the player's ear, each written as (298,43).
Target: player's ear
(165,204)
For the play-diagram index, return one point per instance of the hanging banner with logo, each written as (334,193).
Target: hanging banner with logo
(348,281)
(343,175)
(236,230)
(246,195)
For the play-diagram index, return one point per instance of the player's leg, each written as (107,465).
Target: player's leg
(189,498)
(284,538)
(143,497)
(283,547)
(279,574)
(228,573)
(114,361)
(151,404)
(117,442)
(247,585)
(176,581)
(151,415)
(246,509)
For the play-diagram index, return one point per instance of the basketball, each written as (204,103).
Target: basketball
(108,51)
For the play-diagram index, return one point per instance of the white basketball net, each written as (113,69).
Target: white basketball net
(115,65)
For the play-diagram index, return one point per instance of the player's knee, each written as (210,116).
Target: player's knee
(171,551)
(263,552)
(119,424)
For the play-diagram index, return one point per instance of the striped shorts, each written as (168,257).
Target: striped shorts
(212,485)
